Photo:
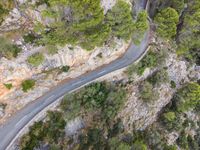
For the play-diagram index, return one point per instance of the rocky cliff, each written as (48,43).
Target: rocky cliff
(17,70)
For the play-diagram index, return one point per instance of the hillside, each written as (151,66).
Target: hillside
(152,104)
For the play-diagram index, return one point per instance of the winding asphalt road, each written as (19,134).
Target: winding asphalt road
(10,130)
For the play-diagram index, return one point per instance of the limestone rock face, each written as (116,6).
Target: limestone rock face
(80,61)
(12,72)
(140,113)
(16,70)
(107,4)
(177,70)
(73,126)
(13,21)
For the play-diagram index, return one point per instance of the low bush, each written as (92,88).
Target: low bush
(161,76)
(28,85)
(52,49)
(36,59)
(151,60)
(65,68)
(8,85)
(147,92)
(29,38)
(8,49)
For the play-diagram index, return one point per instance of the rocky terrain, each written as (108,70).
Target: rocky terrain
(142,114)
(17,70)
(151,104)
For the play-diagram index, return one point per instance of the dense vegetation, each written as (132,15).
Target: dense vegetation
(180,20)
(86,25)
(167,20)
(120,20)
(99,101)
(151,60)
(189,35)
(141,25)
(188,97)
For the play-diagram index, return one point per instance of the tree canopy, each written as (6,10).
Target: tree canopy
(120,20)
(166,21)
(86,25)
(188,39)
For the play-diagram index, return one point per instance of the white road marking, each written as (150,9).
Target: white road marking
(101,72)
(120,63)
(76,83)
(21,120)
(50,97)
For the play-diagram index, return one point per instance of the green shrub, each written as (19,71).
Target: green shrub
(52,49)
(88,27)
(50,131)
(159,77)
(5,7)
(101,97)
(169,116)
(173,84)
(150,60)
(28,85)
(29,38)
(147,93)
(3,12)
(188,38)
(123,146)
(183,141)
(65,68)
(141,25)
(172,120)
(50,14)
(139,145)
(36,59)
(8,49)
(170,147)
(8,85)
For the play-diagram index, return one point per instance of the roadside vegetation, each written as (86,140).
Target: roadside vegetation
(151,60)
(87,26)
(99,104)
(36,59)
(8,49)
(98,101)
(28,85)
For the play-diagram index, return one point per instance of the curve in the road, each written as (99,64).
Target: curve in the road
(16,123)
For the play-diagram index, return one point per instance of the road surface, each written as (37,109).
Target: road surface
(10,130)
